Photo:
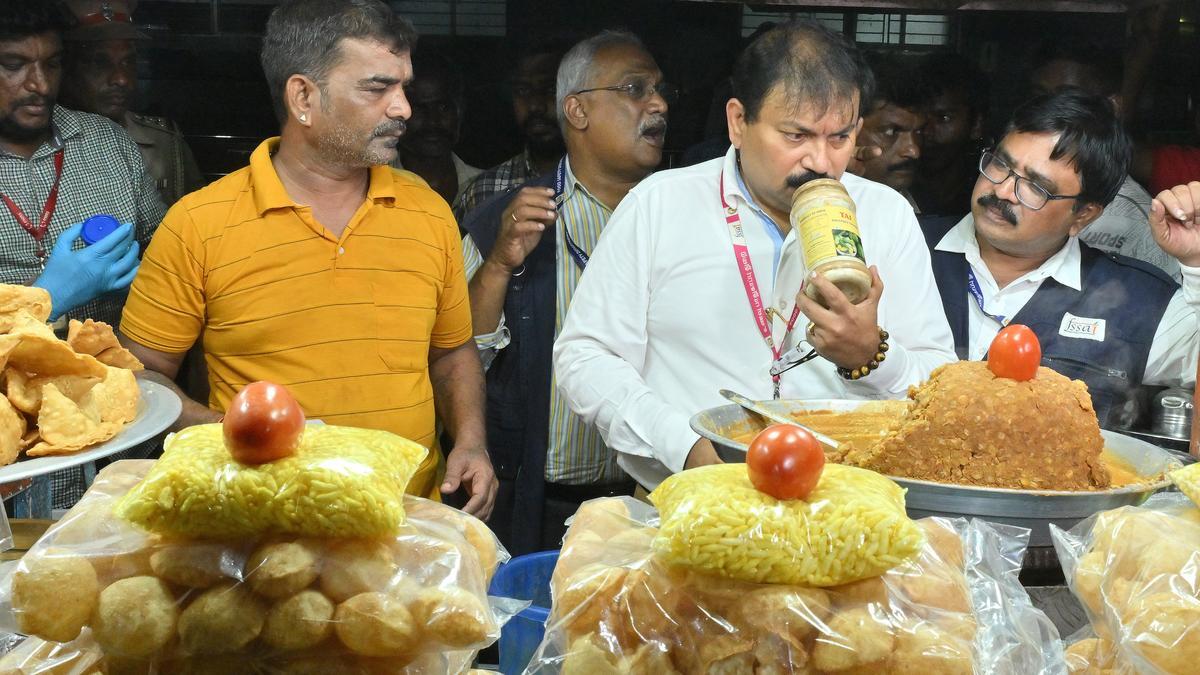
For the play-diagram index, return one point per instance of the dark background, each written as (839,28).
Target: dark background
(202,71)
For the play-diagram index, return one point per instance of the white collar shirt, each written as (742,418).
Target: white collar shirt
(660,321)
(1172,357)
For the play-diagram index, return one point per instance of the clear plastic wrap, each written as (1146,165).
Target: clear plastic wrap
(136,602)
(956,607)
(1136,570)
(852,526)
(341,481)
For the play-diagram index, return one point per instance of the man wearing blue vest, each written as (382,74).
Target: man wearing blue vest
(1111,321)
(524,254)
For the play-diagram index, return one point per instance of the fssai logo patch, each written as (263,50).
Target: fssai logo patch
(1081,327)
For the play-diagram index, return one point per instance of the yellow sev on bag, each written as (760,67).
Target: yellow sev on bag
(853,526)
(342,482)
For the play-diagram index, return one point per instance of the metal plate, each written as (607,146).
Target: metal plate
(1034,509)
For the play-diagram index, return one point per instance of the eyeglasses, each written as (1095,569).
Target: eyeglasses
(641,90)
(1029,193)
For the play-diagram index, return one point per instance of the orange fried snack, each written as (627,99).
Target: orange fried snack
(969,427)
(98,339)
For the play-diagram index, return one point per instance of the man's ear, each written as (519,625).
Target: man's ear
(735,117)
(1084,217)
(575,112)
(301,96)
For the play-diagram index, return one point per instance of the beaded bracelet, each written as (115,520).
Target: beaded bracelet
(863,371)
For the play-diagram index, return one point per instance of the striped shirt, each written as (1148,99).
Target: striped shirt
(576,453)
(345,322)
(513,172)
(103,172)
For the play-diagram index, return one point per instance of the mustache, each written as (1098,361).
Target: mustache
(34,99)
(1006,209)
(796,180)
(654,125)
(905,165)
(391,128)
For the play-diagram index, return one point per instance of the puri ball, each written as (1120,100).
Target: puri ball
(376,624)
(484,542)
(1164,629)
(784,609)
(135,617)
(587,596)
(924,648)
(299,622)
(54,596)
(356,566)
(223,619)
(857,638)
(193,565)
(281,570)
(453,616)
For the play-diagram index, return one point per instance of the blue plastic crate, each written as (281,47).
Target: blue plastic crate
(525,577)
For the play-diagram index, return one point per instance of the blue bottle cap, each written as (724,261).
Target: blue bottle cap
(98,227)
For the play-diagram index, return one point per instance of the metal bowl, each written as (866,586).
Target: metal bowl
(1033,509)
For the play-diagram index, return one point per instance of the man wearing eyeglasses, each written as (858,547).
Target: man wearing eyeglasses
(1113,322)
(533,246)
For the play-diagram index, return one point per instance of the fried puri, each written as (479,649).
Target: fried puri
(280,570)
(298,622)
(53,596)
(222,619)
(356,566)
(135,618)
(451,616)
(376,624)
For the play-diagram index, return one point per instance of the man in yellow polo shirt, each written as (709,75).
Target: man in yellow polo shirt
(318,266)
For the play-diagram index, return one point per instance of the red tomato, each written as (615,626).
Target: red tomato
(263,424)
(785,462)
(1015,353)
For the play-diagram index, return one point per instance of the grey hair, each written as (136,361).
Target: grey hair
(575,69)
(303,37)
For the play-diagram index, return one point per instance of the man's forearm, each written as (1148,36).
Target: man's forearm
(488,290)
(193,412)
(459,394)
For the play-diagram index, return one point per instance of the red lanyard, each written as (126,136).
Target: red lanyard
(38,232)
(741,253)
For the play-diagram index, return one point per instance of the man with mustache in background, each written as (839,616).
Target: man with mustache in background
(100,76)
(533,246)
(1112,321)
(532,88)
(321,268)
(671,311)
(59,167)
(894,123)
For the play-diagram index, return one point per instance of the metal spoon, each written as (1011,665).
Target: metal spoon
(781,419)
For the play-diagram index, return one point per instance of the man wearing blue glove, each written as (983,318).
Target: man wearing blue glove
(59,167)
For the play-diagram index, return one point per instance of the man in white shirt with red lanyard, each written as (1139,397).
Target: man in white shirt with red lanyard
(662,319)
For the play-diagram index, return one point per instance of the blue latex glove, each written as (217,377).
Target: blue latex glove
(75,277)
